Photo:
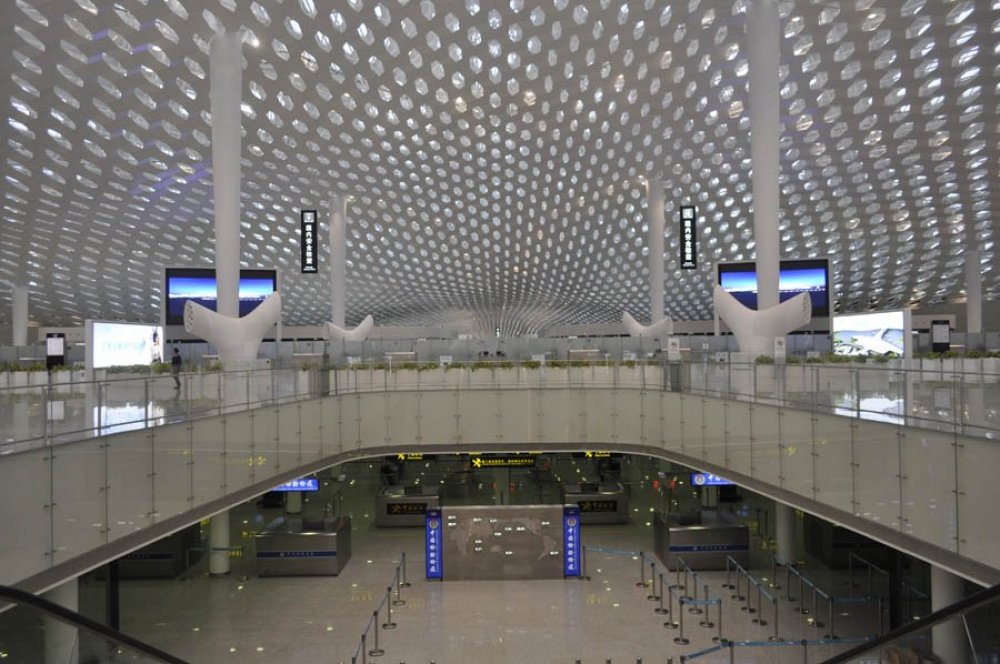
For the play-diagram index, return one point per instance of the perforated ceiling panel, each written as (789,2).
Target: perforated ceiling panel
(495,152)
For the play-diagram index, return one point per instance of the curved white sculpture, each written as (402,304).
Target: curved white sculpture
(359,333)
(659,330)
(237,339)
(755,330)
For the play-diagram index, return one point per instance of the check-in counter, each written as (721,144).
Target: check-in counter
(599,503)
(405,506)
(166,558)
(703,539)
(294,547)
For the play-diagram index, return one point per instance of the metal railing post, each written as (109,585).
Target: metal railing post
(652,596)
(376,651)
(642,571)
(659,609)
(680,638)
(388,624)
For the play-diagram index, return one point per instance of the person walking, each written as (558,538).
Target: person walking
(175,368)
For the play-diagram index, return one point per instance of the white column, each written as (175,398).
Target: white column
(225,91)
(293,502)
(784,532)
(62,639)
(948,640)
(656,218)
(764,46)
(218,544)
(338,259)
(19,315)
(973,292)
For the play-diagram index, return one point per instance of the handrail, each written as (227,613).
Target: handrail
(21,597)
(962,606)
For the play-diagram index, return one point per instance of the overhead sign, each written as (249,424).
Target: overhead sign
(503,462)
(571,541)
(304,484)
(433,544)
(410,456)
(598,505)
(689,238)
(400,509)
(310,253)
(708,479)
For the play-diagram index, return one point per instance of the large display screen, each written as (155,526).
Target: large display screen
(198,284)
(122,344)
(881,333)
(794,277)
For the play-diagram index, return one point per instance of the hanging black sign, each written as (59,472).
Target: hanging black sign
(310,255)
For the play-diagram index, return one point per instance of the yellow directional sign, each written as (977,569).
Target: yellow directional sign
(596,454)
(503,462)
(410,456)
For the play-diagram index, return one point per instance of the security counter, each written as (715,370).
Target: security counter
(295,547)
(599,503)
(405,506)
(703,539)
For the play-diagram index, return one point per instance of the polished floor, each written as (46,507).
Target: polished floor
(609,617)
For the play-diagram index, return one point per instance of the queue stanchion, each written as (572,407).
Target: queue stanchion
(732,652)
(695,609)
(759,620)
(670,624)
(736,594)
(680,639)
(660,610)
(364,647)
(706,621)
(388,624)
(376,651)
(402,565)
(801,608)
(583,563)
(774,573)
(652,596)
(642,571)
(676,585)
(774,637)
(728,585)
(829,620)
(816,622)
(399,601)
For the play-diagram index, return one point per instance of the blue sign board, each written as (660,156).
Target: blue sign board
(305,484)
(433,539)
(571,541)
(708,479)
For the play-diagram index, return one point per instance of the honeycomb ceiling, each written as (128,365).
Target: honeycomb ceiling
(495,153)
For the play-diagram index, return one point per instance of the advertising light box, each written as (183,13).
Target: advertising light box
(122,344)
(303,484)
(198,284)
(883,333)
(794,277)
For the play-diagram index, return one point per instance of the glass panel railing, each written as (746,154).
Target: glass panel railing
(33,629)
(967,631)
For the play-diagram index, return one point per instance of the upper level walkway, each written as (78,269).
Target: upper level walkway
(904,454)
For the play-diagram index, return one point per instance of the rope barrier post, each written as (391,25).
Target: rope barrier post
(774,573)
(583,563)
(402,564)
(759,620)
(670,624)
(774,637)
(718,638)
(677,573)
(376,651)
(729,580)
(832,634)
(652,596)
(680,639)
(388,624)
(801,607)
(816,622)
(805,651)
(687,575)
(746,608)
(642,571)
(364,648)
(399,601)
(695,609)
(732,652)
(660,610)
(738,596)
(706,622)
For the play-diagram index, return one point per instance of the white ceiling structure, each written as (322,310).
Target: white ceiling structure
(495,153)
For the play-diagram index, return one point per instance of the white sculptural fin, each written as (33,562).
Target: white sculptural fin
(660,329)
(358,333)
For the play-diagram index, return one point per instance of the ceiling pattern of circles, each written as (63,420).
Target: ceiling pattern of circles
(495,154)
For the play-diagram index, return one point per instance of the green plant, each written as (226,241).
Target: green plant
(406,366)
(630,364)
(531,364)
(764,359)
(504,364)
(428,366)
(557,364)
(476,366)
(212,367)
(793,359)
(160,367)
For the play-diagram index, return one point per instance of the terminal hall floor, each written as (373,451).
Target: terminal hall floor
(609,617)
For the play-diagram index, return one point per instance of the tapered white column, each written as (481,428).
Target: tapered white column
(656,221)
(338,259)
(19,315)
(973,292)
(948,640)
(764,46)
(62,639)
(218,544)
(784,532)
(225,91)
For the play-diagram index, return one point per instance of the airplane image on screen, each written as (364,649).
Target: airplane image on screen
(882,341)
